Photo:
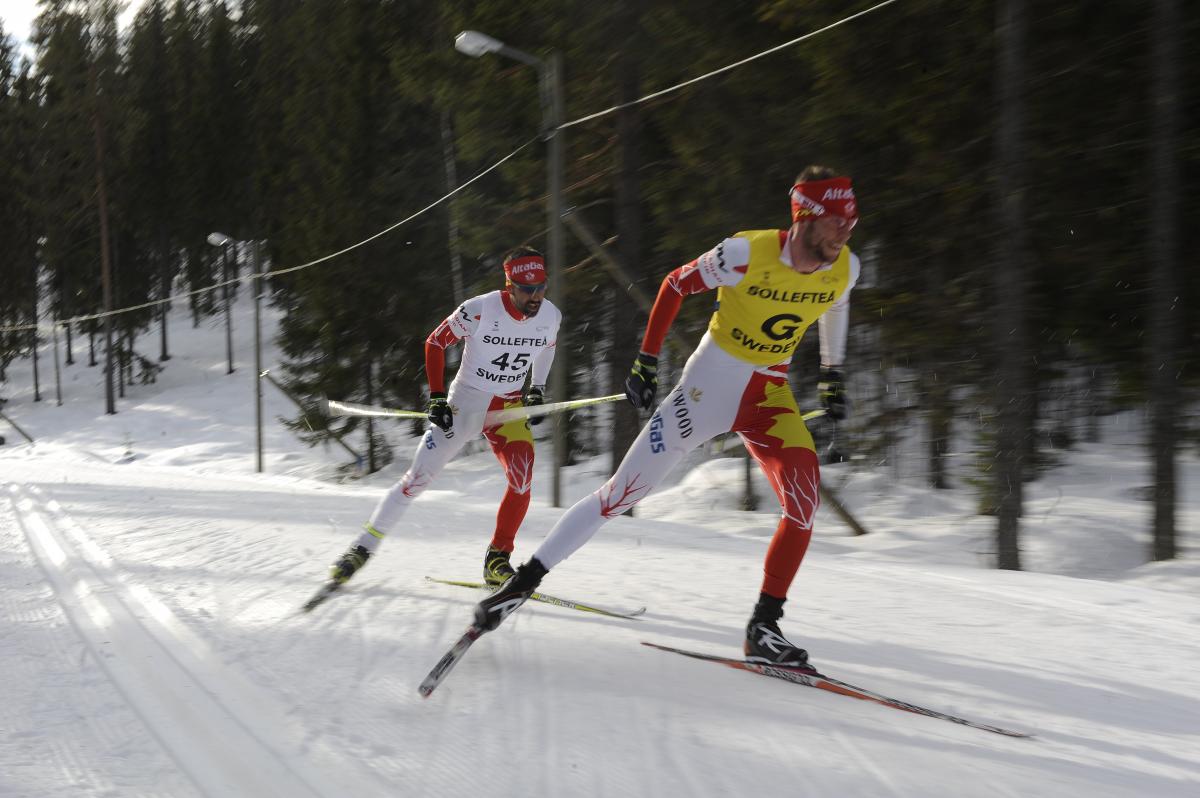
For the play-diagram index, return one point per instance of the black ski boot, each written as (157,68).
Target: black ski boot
(348,564)
(765,644)
(490,612)
(496,566)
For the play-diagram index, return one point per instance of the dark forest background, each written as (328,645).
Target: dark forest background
(1026,174)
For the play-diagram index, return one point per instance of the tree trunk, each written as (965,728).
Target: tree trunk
(120,364)
(625,329)
(1165,312)
(163,309)
(370,385)
(451,167)
(936,377)
(105,264)
(1010,271)
(939,415)
(33,339)
(1093,403)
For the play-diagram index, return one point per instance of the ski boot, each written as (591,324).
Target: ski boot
(490,612)
(496,567)
(349,564)
(765,644)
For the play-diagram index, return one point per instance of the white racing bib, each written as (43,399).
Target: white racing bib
(498,350)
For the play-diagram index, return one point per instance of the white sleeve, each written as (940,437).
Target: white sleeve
(465,320)
(544,359)
(725,264)
(834,324)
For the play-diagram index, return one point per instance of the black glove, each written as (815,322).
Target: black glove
(831,393)
(533,398)
(439,412)
(642,383)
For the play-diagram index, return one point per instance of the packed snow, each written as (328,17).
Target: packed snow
(151,643)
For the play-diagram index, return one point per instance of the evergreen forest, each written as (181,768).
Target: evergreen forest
(1025,172)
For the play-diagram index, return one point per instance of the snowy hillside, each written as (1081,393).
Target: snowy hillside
(149,582)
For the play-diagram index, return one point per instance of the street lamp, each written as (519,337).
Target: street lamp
(222,240)
(476,44)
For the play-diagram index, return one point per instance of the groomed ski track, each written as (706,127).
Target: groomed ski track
(182,587)
(215,727)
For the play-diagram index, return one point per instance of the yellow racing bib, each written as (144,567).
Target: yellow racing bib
(762,318)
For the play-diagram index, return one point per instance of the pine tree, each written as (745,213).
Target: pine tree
(67,209)
(151,148)
(18,173)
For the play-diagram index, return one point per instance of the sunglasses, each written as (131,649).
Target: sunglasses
(841,222)
(529,289)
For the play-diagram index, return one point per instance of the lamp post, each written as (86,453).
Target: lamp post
(476,44)
(222,240)
(256,287)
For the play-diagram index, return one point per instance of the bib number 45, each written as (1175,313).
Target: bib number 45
(519,362)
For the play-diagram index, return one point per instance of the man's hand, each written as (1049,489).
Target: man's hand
(533,398)
(832,394)
(642,383)
(439,412)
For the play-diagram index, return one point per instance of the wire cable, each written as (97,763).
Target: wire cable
(246,277)
(726,68)
(435,203)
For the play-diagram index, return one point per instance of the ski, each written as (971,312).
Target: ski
(327,590)
(449,660)
(548,599)
(810,677)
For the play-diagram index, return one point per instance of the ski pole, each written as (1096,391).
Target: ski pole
(333,409)
(518,413)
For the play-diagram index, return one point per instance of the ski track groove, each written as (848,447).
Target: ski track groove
(780,748)
(681,766)
(91,726)
(362,709)
(855,752)
(440,771)
(676,733)
(157,665)
(508,651)
(516,667)
(656,748)
(901,790)
(855,755)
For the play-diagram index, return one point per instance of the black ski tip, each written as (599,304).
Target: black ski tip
(318,598)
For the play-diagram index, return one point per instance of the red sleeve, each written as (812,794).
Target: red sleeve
(679,283)
(435,356)
(435,367)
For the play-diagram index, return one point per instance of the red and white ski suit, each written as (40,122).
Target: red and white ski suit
(736,380)
(501,347)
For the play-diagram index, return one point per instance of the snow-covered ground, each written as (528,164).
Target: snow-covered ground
(150,641)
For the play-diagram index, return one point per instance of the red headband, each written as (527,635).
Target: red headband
(529,270)
(819,197)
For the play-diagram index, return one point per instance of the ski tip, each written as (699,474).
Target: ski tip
(311,605)
(318,598)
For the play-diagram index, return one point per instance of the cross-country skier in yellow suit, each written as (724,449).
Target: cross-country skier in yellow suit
(771,286)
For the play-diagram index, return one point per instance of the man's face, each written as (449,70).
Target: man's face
(815,242)
(527,299)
